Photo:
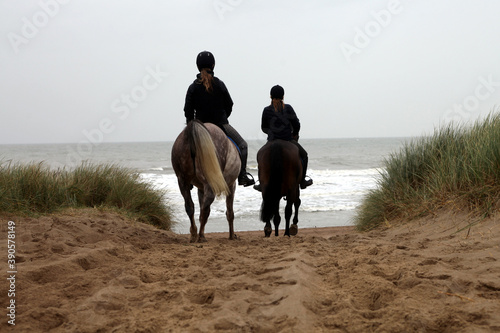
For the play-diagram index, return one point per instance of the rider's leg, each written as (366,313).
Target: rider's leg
(305,160)
(244,178)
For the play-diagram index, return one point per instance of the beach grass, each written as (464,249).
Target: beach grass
(456,167)
(34,188)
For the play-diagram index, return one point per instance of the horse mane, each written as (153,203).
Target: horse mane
(272,195)
(203,149)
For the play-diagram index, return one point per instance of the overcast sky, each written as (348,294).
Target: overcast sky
(118,70)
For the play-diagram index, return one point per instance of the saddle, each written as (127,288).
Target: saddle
(234,143)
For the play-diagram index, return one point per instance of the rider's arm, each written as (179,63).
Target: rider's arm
(264,125)
(228,101)
(294,121)
(189,104)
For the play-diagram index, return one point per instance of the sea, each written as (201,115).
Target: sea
(343,172)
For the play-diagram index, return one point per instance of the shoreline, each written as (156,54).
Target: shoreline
(251,222)
(324,232)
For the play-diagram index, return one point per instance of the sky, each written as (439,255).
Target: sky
(87,71)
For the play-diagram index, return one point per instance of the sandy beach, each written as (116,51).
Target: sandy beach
(92,271)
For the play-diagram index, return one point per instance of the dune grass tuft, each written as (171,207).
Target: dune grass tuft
(457,166)
(32,189)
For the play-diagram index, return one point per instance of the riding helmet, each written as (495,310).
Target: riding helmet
(205,59)
(277,92)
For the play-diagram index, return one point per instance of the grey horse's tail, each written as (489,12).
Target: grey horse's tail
(203,150)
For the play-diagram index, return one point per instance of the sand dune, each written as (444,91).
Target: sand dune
(91,271)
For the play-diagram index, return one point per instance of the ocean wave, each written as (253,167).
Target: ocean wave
(157,169)
(332,191)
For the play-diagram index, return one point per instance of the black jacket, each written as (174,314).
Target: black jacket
(280,125)
(208,107)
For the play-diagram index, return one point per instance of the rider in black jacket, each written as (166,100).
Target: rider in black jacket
(279,121)
(208,100)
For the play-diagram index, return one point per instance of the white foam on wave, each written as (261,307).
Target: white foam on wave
(156,169)
(337,190)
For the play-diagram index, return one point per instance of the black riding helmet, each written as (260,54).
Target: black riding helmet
(205,59)
(277,92)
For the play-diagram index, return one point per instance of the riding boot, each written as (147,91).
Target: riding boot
(244,178)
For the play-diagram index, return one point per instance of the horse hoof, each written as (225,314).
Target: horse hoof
(267,231)
(233,237)
(293,229)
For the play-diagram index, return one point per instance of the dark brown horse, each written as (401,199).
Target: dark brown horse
(280,172)
(203,156)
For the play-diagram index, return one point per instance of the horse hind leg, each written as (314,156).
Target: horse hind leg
(205,198)
(294,228)
(276,221)
(267,220)
(189,207)
(268,229)
(288,215)
(230,211)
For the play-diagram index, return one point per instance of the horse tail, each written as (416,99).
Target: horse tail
(272,195)
(203,149)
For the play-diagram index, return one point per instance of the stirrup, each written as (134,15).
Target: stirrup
(258,187)
(306,182)
(246,179)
